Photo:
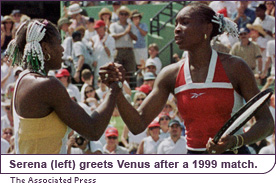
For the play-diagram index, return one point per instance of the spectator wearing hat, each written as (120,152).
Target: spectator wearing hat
(150,144)
(124,34)
(105,15)
(103,47)
(175,144)
(115,5)
(149,79)
(153,50)
(7,119)
(90,31)
(140,48)
(7,31)
(151,66)
(111,146)
(81,55)
(64,77)
(144,88)
(266,21)
(258,35)
(248,50)
(164,119)
(243,15)
(270,55)
(16,14)
(74,11)
(63,24)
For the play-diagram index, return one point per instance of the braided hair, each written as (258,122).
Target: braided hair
(25,50)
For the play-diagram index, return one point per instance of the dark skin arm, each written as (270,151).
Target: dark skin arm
(46,94)
(139,119)
(244,83)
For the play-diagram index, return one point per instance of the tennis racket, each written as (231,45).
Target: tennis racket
(243,114)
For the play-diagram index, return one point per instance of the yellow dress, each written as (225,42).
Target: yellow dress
(47,135)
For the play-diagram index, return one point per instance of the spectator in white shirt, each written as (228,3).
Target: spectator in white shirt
(153,54)
(103,47)
(90,31)
(175,144)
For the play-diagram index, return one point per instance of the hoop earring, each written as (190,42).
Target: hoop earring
(205,36)
(49,57)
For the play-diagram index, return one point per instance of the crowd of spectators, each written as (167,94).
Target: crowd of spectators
(118,35)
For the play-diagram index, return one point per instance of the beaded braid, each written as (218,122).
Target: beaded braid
(226,25)
(33,52)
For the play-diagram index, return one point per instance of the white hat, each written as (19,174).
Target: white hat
(149,76)
(150,62)
(74,9)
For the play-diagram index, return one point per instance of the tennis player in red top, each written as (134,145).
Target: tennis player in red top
(209,86)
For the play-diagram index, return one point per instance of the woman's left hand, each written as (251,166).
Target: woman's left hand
(226,142)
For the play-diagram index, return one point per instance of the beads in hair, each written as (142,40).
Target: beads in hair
(226,25)
(33,51)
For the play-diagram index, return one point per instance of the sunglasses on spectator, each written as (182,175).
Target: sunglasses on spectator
(8,108)
(165,118)
(89,91)
(139,99)
(8,133)
(8,23)
(112,137)
(243,34)
(124,14)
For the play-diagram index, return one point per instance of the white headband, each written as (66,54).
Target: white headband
(226,25)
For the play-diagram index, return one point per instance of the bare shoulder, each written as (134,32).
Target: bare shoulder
(37,92)
(238,72)
(167,77)
(231,60)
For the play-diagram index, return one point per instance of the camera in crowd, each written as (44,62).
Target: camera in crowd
(79,140)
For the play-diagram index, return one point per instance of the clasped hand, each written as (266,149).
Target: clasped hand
(112,72)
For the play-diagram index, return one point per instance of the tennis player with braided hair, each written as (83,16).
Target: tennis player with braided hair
(42,109)
(209,87)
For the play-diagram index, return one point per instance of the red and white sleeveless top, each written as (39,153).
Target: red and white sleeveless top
(205,107)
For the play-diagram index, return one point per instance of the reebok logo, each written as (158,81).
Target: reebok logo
(196,95)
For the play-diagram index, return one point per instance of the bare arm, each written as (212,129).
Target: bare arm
(139,119)
(245,84)
(91,127)
(133,36)
(143,33)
